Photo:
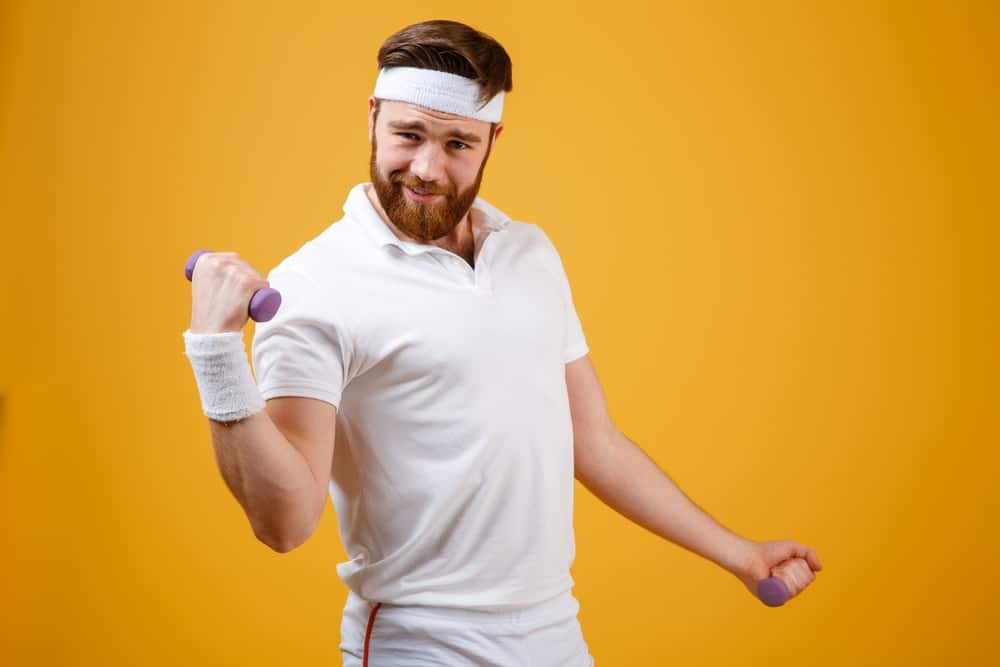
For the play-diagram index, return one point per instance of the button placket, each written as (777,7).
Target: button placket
(454,265)
(481,273)
(468,273)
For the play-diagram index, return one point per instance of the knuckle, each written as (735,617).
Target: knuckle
(235,267)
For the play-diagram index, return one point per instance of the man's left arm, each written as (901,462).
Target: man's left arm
(618,472)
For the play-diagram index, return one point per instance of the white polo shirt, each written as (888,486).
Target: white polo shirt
(452,472)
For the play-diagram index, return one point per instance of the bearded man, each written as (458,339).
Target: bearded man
(427,370)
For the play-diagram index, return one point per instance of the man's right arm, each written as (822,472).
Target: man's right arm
(276,461)
(277,464)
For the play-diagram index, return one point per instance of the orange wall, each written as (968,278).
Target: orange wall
(776,221)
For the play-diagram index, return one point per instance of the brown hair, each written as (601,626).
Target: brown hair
(452,47)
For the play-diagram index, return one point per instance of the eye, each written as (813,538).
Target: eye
(409,136)
(460,145)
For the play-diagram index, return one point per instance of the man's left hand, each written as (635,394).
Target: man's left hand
(791,562)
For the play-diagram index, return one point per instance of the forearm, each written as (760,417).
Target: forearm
(270,479)
(619,473)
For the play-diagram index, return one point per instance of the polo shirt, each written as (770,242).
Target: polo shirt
(452,473)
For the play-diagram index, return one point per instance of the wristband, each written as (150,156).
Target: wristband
(227,388)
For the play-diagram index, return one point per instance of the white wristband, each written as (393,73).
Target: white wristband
(227,388)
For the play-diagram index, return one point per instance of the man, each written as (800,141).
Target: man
(427,369)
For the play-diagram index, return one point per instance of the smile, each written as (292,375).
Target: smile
(417,196)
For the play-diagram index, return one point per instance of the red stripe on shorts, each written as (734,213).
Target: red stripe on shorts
(368,632)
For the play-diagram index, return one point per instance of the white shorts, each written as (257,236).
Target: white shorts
(383,635)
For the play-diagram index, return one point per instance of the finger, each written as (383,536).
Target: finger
(790,584)
(813,560)
(807,553)
(796,574)
(784,570)
(804,574)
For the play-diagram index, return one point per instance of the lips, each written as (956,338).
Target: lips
(420,195)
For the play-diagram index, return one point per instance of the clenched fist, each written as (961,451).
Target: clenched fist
(225,291)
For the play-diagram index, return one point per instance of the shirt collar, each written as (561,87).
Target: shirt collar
(360,208)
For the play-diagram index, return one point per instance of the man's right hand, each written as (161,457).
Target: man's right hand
(222,285)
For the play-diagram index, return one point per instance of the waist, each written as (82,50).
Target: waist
(560,607)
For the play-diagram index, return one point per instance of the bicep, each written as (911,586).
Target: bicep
(309,425)
(592,426)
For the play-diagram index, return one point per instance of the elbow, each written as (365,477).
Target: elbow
(283,538)
(595,455)
(592,448)
(281,543)
(284,547)
(284,531)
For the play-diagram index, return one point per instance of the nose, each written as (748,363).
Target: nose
(428,163)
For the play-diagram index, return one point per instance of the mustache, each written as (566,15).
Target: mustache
(420,185)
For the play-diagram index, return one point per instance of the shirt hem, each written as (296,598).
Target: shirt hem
(302,391)
(576,353)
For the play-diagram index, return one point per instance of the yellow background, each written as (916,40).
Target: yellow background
(779,222)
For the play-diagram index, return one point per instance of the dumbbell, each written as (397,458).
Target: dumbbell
(772,591)
(264,302)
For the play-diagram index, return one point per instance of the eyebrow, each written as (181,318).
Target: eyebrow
(420,127)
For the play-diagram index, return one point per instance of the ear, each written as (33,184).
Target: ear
(371,118)
(496,133)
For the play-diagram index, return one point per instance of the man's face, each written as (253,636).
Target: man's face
(426,165)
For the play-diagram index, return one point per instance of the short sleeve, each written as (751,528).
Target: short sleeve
(575,345)
(302,350)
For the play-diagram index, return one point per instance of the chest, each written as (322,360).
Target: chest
(435,316)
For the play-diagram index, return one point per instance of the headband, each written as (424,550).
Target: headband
(441,91)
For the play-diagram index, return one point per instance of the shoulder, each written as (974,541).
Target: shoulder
(528,233)
(532,240)
(315,280)
(518,232)
(327,259)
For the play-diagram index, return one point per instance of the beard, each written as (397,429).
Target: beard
(424,221)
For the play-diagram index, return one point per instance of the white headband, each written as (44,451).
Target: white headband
(437,90)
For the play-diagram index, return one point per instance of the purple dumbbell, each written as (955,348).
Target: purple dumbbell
(772,591)
(264,302)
